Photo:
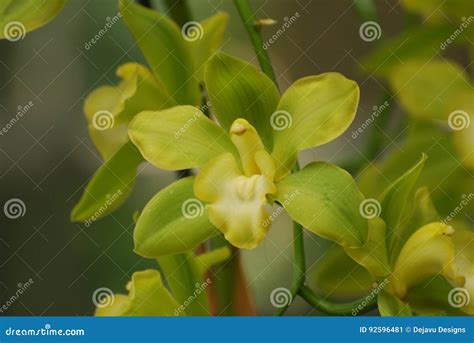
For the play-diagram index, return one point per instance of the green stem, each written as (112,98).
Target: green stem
(250,23)
(299,264)
(360,306)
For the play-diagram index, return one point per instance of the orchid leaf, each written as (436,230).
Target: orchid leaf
(313,111)
(390,305)
(173,221)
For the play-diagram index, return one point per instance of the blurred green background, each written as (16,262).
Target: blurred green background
(46,158)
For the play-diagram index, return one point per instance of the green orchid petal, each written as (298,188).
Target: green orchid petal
(390,305)
(185,281)
(238,90)
(110,185)
(313,111)
(395,198)
(325,200)
(399,50)
(429,251)
(173,221)
(337,275)
(463,241)
(19,17)
(423,212)
(237,202)
(147,297)
(108,109)
(167,53)
(373,254)
(213,29)
(178,138)
(425,88)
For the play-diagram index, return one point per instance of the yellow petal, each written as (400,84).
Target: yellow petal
(117,307)
(428,251)
(236,202)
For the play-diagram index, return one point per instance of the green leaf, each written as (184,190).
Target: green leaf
(338,276)
(395,198)
(325,200)
(110,185)
(425,88)
(19,17)
(178,138)
(173,221)
(439,8)
(238,90)
(390,305)
(185,280)
(399,50)
(147,297)
(313,111)
(165,49)
(213,29)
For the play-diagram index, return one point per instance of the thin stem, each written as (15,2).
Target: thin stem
(250,23)
(360,306)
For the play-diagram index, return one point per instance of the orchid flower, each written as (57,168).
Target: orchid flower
(245,161)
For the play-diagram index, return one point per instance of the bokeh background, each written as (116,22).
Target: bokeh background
(47,158)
